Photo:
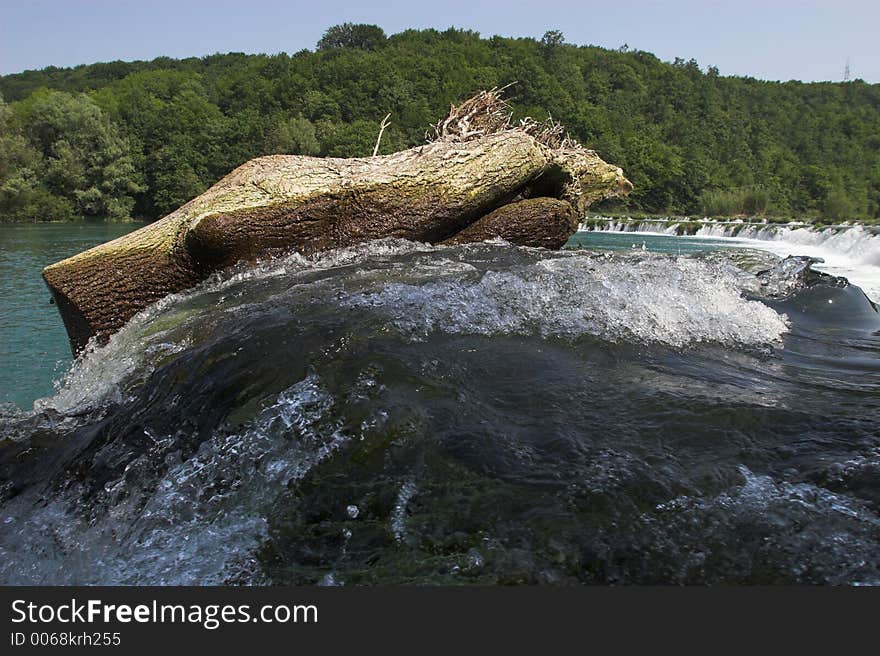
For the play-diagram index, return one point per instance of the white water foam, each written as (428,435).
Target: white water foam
(95,376)
(664,300)
(675,301)
(851,252)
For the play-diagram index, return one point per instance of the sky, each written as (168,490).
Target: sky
(768,39)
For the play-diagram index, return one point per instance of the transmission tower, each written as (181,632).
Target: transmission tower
(846,71)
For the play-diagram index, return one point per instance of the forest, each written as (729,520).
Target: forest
(123,140)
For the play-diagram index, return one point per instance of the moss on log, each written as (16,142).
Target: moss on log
(469,184)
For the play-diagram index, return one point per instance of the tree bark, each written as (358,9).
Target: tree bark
(505,184)
(539,222)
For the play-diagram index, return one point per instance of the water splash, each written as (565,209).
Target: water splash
(199,522)
(852,252)
(408,413)
(655,299)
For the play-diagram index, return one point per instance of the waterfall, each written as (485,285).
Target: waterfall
(852,251)
(858,243)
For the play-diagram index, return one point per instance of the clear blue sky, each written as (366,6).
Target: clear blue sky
(769,39)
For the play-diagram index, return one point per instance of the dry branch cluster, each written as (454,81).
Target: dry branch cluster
(489,113)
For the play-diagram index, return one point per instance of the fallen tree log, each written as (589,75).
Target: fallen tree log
(481,177)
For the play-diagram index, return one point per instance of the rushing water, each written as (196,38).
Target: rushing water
(484,413)
(851,252)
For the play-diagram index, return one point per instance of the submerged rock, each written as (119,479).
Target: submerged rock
(481,177)
(400,413)
(791,274)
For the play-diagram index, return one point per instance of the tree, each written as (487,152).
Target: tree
(352,35)
(22,196)
(294,136)
(676,131)
(83,158)
(355,139)
(552,39)
(175,180)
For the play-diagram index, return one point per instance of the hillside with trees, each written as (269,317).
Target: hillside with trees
(137,139)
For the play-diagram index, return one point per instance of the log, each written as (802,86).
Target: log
(480,178)
(537,222)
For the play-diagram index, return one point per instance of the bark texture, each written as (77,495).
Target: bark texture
(538,222)
(506,183)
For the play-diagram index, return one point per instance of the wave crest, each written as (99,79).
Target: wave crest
(671,301)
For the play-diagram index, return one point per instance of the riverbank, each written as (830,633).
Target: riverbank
(591,218)
(79,221)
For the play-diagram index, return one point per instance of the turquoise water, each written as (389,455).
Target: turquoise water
(33,345)
(629,241)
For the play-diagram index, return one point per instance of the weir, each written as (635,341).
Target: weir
(849,251)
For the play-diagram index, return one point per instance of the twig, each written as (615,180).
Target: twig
(385,123)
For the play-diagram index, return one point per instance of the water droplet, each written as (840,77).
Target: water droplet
(353,511)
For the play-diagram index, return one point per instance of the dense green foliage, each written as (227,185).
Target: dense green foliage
(66,159)
(141,138)
(351,35)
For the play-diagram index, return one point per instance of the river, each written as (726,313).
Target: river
(33,345)
(677,412)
